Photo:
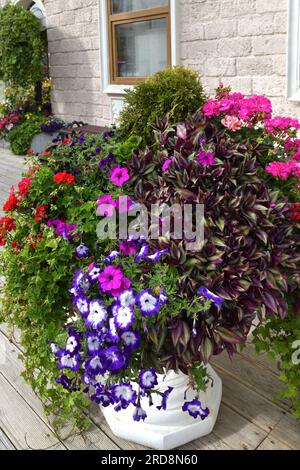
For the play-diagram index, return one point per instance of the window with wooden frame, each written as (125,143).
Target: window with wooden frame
(139,39)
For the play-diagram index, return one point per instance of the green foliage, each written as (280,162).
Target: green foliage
(38,265)
(17,96)
(175,92)
(277,337)
(20,137)
(21,46)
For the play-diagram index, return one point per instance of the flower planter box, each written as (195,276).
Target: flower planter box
(165,430)
(41,141)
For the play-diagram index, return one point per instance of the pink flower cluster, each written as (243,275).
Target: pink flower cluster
(236,104)
(113,280)
(106,205)
(281,123)
(8,121)
(284,170)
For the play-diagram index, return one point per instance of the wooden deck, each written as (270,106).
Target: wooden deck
(249,417)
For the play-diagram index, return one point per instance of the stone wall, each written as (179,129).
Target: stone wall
(241,42)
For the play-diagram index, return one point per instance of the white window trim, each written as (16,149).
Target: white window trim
(293,69)
(113,89)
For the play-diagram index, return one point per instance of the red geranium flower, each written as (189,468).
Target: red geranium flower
(67,141)
(12,202)
(29,152)
(295,215)
(7,224)
(64,178)
(39,213)
(46,153)
(24,186)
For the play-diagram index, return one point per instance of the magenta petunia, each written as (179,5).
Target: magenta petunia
(206,158)
(110,279)
(128,247)
(106,205)
(119,176)
(166,164)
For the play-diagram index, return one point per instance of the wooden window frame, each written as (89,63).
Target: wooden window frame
(133,17)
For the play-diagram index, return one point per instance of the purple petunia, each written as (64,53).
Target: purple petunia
(64,381)
(148,379)
(110,278)
(96,365)
(102,396)
(165,396)
(162,298)
(111,334)
(68,361)
(157,255)
(124,317)
(82,251)
(194,408)
(139,414)
(73,344)
(127,298)
(97,314)
(94,273)
(82,305)
(93,342)
(123,394)
(148,303)
(131,340)
(112,255)
(204,292)
(142,253)
(114,359)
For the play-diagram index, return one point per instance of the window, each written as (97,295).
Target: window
(139,33)
(294,51)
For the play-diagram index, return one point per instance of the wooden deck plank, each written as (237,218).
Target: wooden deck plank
(5,443)
(288,432)
(273,444)
(20,424)
(254,376)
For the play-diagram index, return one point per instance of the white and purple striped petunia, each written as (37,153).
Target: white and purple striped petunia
(82,305)
(124,317)
(93,342)
(97,314)
(96,365)
(82,251)
(148,303)
(148,379)
(127,298)
(195,409)
(131,340)
(123,394)
(204,292)
(68,361)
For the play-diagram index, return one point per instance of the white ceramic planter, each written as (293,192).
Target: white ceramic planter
(164,430)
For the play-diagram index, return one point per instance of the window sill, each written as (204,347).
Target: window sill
(117,89)
(294,98)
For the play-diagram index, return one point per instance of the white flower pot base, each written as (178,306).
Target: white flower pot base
(165,430)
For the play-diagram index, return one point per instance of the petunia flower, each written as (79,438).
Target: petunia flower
(114,358)
(73,344)
(131,340)
(125,284)
(206,158)
(163,298)
(166,164)
(94,273)
(96,365)
(82,305)
(112,255)
(157,255)
(112,334)
(64,381)
(127,298)
(82,251)
(142,253)
(128,247)
(110,278)
(68,361)
(204,292)
(93,342)
(165,396)
(124,317)
(148,303)
(97,314)
(148,379)
(123,394)
(102,396)
(119,176)
(106,206)
(194,408)
(139,414)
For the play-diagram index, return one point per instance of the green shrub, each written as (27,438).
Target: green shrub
(21,46)
(175,92)
(20,137)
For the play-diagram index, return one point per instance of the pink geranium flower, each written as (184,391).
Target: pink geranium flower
(106,205)
(119,176)
(232,123)
(125,284)
(110,279)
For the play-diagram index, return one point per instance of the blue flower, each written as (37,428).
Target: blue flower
(96,365)
(97,314)
(112,255)
(68,361)
(194,408)
(114,359)
(82,305)
(148,379)
(82,251)
(102,396)
(162,298)
(64,381)
(131,340)
(148,303)
(124,395)
(124,317)
(142,253)
(204,292)
(165,396)
(93,342)
(139,414)
(157,255)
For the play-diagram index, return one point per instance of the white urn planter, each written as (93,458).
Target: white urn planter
(165,430)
